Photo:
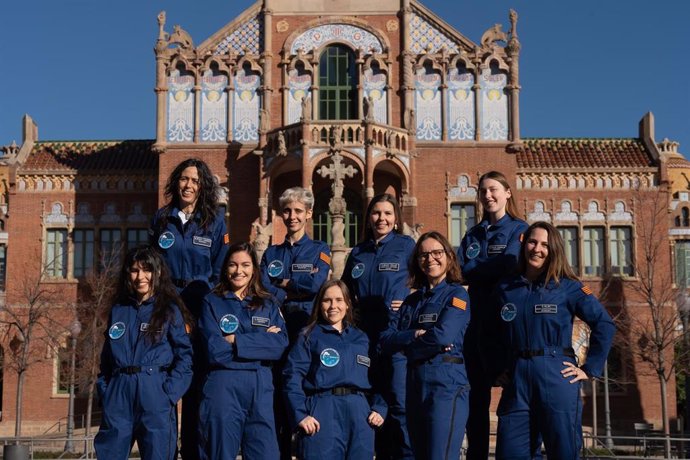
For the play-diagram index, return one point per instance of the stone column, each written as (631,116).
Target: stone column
(161,88)
(513,50)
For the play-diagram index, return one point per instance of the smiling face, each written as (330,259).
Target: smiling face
(433,261)
(141,281)
(295,215)
(536,253)
(382,219)
(188,188)
(333,307)
(493,196)
(240,272)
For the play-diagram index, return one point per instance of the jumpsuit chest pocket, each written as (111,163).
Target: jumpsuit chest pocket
(428,315)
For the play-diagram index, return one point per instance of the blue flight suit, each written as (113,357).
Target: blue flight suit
(377,274)
(194,256)
(437,386)
(487,254)
(326,376)
(537,325)
(140,383)
(237,398)
(306,264)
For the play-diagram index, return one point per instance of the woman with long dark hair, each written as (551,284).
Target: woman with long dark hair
(243,334)
(376,274)
(327,382)
(541,381)
(190,233)
(489,251)
(429,328)
(146,361)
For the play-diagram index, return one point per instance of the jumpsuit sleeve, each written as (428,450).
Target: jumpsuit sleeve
(219,247)
(294,372)
(397,336)
(451,323)
(153,230)
(277,292)
(180,376)
(106,366)
(587,308)
(346,277)
(261,346)
(219,351)
(483,269)
(310,283)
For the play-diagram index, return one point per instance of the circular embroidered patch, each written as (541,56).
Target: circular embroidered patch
(330,357)
(229,323)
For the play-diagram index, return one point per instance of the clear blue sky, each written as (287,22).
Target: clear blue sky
(85,69)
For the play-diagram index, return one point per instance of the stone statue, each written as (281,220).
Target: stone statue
(494,34)
(162,35)
(181,37)
(306,108)
(282,147)
(410,121)
(263,236)
(413,232)
(337,138)
(369,109)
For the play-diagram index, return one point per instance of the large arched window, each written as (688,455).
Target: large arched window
(337,84)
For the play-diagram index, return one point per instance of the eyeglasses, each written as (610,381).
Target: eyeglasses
(436,254)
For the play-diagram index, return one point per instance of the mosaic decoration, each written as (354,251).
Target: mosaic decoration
(566,214)
(619,213)
(424,35)
(299,88)
(214,107)
(375,87)
(461,125)
(110,215)
(593,214)
(84,215)
(246,107)
(463,190)
(249,36)
(356,37)
(494,105)
(538,213)
(56,216)
(428,105)
(180,107)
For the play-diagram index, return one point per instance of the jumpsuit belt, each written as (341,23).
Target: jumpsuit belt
(443,359)
(218,367)
(548,351)
(131,370)
(338,391)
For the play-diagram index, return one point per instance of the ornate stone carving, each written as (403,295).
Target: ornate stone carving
(282,26)
(181,37)
(493,35)
(392,25)
(414,231)
(282,148)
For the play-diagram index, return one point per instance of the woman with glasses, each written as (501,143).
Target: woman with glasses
(429,328)
(190,233)
(541,382)
(489,251)
(376,273)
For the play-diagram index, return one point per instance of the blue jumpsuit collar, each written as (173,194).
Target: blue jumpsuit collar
(507,218)
(328,328)
(427,291)
(299,242)
(384,240)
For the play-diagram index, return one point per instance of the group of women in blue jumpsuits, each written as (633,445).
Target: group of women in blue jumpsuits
(277,348)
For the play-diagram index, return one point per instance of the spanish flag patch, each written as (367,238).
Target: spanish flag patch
(522,237)
(586,290)
(188,328)
(459,303)
(226,238)
(325,257)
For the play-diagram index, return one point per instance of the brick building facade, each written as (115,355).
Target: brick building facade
(350,99)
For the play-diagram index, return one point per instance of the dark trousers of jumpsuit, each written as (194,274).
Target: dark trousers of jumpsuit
(478,423)
(437,409)
(150,420)
(392,439)
(237,411)
(345,432)
(539,401)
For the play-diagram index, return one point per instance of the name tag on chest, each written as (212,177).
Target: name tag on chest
(428,318)
(389,267)
(302,268)
(363,360)
(496,248)
(202,241)
(260,321)
(546,308)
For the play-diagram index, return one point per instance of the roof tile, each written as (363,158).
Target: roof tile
(583,153)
